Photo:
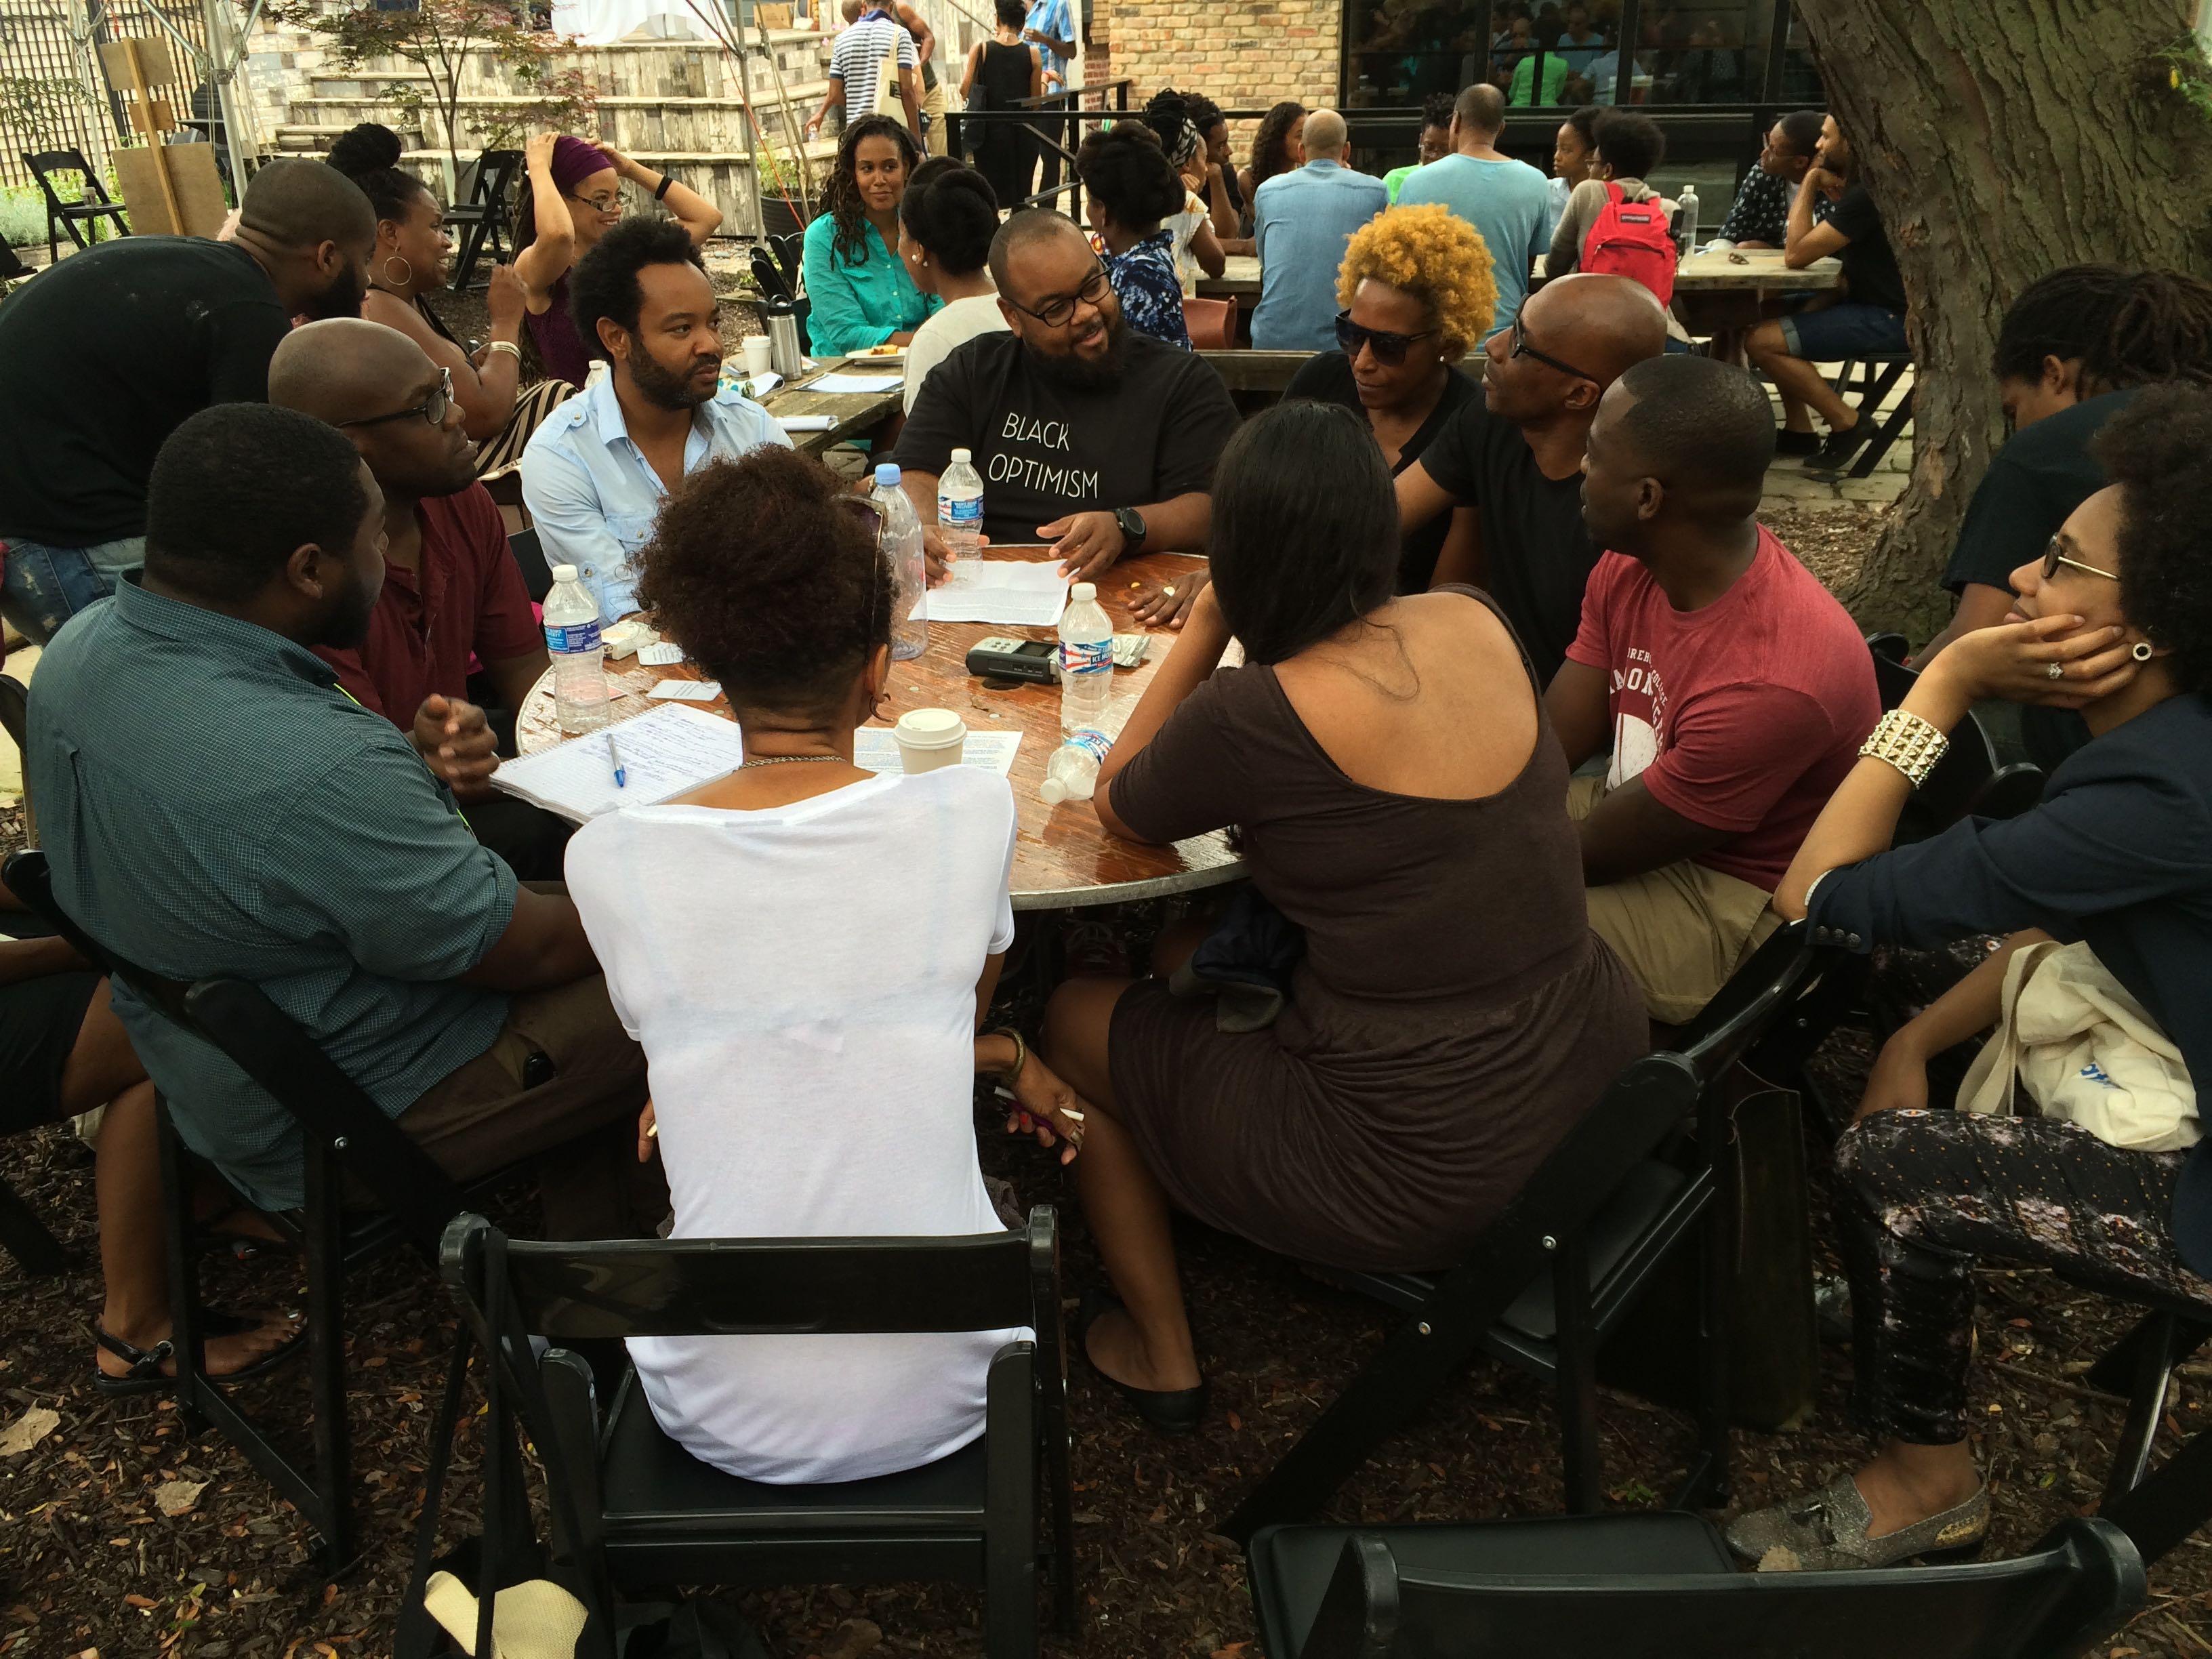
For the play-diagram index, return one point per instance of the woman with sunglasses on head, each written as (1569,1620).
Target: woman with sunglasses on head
(861,292)
(574,198)
(1400,793)
(408,265)
(805,949)
(1418,296)
(2114,620)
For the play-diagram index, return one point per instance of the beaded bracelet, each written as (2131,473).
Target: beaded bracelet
(1907,742)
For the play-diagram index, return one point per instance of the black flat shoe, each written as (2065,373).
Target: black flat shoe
(1170,1410)
(1836,453)
(1796,443)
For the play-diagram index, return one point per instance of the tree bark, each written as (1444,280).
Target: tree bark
(2001,139)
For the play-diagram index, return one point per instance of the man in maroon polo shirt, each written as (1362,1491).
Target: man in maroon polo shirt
(452,589)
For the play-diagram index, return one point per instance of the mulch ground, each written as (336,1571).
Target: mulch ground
(119,1534)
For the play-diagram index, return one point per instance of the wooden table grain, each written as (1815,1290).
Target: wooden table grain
(1754,270)
(1240,275)
(1062,858)
(858,414)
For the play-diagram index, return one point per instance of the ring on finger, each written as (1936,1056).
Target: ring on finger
(1167,591)
(2056,672)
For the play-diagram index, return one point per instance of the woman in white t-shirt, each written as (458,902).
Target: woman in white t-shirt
(804,948)
(946,220)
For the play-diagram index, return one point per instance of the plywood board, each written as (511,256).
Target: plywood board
(192,176)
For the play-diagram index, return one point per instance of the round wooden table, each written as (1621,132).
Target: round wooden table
(1062,858)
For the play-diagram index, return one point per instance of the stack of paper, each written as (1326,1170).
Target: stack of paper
(875,748)
(847,383)
(665,753)
(1003,591)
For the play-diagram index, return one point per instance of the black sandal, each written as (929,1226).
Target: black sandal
(146,1375)
(1170,1410)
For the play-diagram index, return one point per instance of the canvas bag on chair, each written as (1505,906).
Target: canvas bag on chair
(2085,1051)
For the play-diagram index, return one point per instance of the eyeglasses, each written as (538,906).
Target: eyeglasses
(1522,349)
(1387,348)
(2053,557)
(431,409)
(610,203)
(1056,311)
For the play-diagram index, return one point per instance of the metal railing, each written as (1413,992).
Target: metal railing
(1059,112)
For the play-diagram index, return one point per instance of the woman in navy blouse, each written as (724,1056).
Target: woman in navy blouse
(2115,621)
(1129,187)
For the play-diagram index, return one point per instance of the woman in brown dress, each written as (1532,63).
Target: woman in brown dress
(1389,767)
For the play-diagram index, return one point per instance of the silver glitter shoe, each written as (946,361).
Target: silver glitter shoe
(1827,1532)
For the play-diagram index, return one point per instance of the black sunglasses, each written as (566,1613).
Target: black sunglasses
(431,409)
(1522,349)
(1056,311)
(2054,556)
(1389,348)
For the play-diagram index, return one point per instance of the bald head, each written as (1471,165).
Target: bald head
(1479,113)
(1026,229)
(293,202)
(1605,324)
(1325,136)
(345,369)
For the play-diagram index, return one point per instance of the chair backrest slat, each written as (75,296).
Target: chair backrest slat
(763,1287)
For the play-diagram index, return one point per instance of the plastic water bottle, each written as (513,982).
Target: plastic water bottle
(1686,219)
(901,541)
(572,640)
(1072,774)
(1086,661)
(960,505)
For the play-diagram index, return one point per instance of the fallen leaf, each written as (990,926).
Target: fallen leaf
(852,1638)
(1236,1423)
(140,1601)
(176,1497)
(1234,1651)
(27,1431)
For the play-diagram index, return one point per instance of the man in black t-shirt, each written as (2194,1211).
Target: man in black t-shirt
(1868,321)
(1514,454)
(107,354)
(1087,434)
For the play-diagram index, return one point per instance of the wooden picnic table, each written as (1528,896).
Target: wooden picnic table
(1239,276)
(1725,293)
(1062,858)
(858,414)
(1760,272)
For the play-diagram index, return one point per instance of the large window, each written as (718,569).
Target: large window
(1546,54)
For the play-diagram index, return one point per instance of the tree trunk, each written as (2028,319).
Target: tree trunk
(2001,139)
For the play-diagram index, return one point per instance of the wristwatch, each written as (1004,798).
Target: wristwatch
(1132,524)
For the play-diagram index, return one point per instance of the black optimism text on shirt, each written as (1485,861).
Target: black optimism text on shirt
(1045,449)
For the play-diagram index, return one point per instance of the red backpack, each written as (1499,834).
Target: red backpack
(1633,240)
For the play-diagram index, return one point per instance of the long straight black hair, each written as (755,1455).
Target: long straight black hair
(1305,538)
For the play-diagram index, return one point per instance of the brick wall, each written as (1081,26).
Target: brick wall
(1243,54)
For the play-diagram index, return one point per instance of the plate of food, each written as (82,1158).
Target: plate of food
(894,355)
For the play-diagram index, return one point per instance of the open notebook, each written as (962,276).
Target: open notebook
(666,752)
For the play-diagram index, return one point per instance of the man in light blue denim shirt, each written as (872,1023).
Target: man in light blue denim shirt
(1301,222)
(594,474)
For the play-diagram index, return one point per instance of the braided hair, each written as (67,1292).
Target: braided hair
(2125,327)
(844,196)
(1271,142)
(369,156)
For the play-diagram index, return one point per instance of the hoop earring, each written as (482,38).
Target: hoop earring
(2141,651)
(391,281)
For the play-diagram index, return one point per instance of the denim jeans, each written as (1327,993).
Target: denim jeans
(44,587)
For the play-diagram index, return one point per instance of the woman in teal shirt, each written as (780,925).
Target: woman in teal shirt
(861,293)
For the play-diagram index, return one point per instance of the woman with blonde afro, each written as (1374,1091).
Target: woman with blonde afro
(1416,295)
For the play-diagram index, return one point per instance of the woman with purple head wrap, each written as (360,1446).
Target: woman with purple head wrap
(574,198)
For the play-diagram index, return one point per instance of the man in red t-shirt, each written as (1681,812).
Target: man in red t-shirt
(1735,690)
(452,589)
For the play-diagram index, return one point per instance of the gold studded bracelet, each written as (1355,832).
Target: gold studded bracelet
(1907,742)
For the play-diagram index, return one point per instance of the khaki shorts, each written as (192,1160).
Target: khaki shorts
(1680,931)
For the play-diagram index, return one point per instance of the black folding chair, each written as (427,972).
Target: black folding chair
(1665,1586)
(647,1512)
(1877,377)
(349,1140)
(66,215)
(1967,780)
(483,217)
(1570,1256)
(530,558)
(768,279)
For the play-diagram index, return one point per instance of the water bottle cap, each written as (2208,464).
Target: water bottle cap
(1052,791)
(1083,591)
(963,454)
(564,572)
(887,476)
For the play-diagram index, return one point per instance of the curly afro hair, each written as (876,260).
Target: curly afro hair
(1434,255)
(765,570)
(953,212)
(605,282)
(2158,452)
(1125,168)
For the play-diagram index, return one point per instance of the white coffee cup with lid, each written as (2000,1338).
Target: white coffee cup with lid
(757,349)
(929,738)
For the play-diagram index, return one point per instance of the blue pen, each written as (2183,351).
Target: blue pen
(621,772)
